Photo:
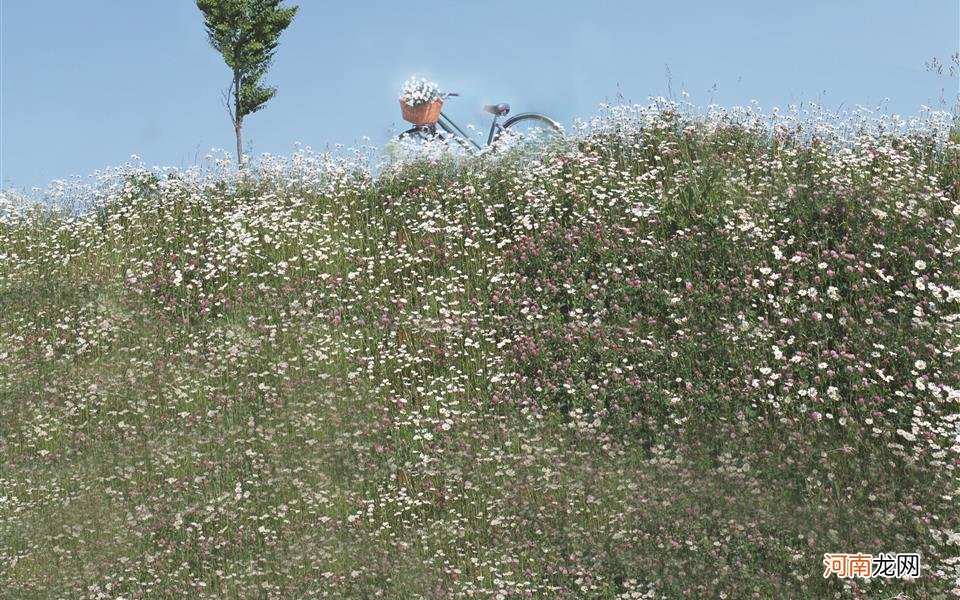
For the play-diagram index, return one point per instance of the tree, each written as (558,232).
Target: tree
(245,32)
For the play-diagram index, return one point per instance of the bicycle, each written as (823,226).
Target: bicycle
(524,127)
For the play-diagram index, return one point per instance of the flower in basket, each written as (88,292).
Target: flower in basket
(419,91)
(420,102)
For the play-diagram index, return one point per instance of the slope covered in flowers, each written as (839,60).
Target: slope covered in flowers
(680,356)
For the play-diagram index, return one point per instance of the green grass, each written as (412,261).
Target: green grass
(677,357)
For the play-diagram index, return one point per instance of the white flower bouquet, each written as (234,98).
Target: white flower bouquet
(420,91)
(420,101)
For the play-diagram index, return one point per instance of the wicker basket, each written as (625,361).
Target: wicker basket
(422,114)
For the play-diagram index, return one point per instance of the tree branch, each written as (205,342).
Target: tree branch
(226,101)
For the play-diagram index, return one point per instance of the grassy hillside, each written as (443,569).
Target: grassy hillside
(683,356)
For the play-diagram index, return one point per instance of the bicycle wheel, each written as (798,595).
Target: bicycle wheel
(529,131)
(425,142)
(419,134)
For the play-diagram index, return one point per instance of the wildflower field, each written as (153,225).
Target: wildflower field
(682,355)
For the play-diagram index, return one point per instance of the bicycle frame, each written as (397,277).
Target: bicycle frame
(453,129)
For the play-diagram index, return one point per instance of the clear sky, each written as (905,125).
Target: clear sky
(84,84)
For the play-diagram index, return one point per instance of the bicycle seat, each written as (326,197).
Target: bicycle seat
(497,109)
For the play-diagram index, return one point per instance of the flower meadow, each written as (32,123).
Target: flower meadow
(682,354)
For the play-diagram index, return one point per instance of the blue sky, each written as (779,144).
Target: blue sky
(84,85)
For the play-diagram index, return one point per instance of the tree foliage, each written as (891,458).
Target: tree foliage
(246,33)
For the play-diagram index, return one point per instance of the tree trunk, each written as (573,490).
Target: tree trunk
(236,127)
(237,117)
